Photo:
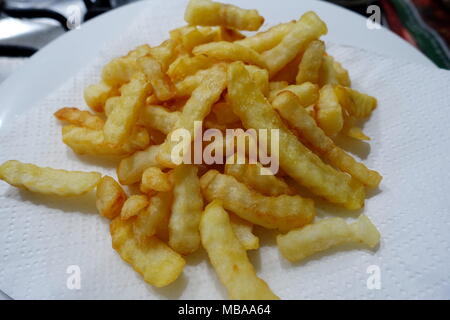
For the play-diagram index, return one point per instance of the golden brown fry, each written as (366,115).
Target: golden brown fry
(357,104)
(120,122)
(158,118)
(224,114)
(260,77)
(165,53)
(283,212)
(332,72)
(264,41)
(185,66)
(133,206)
(230,51)
(155,219)
(230,35)
(308,28)
(250,174)
(329,111)
(110,104)
(290,109)
(307,93)
(48,180)
(243,231)
(327,233)
(80,118)
(229,258)
(152,258)
(187,208)
(295,159)
(195,109)
(162,86)
(189,37)
(130,169)
(87,141)
(209,13)
(110,197)
(95,95)
(309,68)
(153,179)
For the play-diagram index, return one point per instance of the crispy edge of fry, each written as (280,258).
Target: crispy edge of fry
(161,83)
(154,179)
(329,113)
(158,264)
(243,231)
(158,118)
(80,118)
(133,205)
(229,258)
(110,197)
(48,180)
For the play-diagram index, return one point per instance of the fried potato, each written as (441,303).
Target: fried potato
(130,169)
(327,233)
(230,35)
(47,180)
(289,72)
(155,219)
(295,159)
(230,51)
(229,258)
(133,205)
(195,109)
(329,111)
(185,66)
(96,95)
(350,130)
(250,174)
(309,27)
(119,71)
(153,179)
(332,72)
(224,114)
(264,41)
(290,109)
(260,77)
(158,118)
(123,117)
(209,13)
(110,104)
(110,197)
(189,37)
(307,93)
(283,212)
(153,259)
(243,231)
(309,68)
(80,118)
(162,86)
(87,141)
(357,104)
(165,53)
(187,208)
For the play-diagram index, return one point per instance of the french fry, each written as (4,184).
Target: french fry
(230,51)
(186,210)
(110,104)
(224,114)
(153,259)
(264,41)
(155,219)
(283,212)
(185,66)
(250,174)
(162,86)
(260,77)
(289,71)
(133,206)
(307,93)
(110,197)
(331,72)
(243,231)
(165,53)
(309,68)
(88,141)
(195,109)
(80,118)
(327,233)
(123,117)
(209,13)
(158,118)
(96,95)
(308,28)
(229,257)
(290,109)
(189,37)
(329,111)
(48,180)
(130,169)
(295,159)
(230,35)
(357,104)
(153,179)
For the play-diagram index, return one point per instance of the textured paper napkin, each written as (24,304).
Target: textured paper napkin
(42,236)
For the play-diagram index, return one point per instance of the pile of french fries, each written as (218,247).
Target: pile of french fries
(208,71)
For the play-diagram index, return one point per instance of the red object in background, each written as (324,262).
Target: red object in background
(436,13)
(394,22)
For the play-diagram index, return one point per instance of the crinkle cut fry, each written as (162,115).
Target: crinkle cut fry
(296,160)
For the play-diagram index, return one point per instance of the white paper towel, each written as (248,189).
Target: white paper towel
(42,236)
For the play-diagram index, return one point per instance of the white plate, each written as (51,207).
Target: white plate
(62,58)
